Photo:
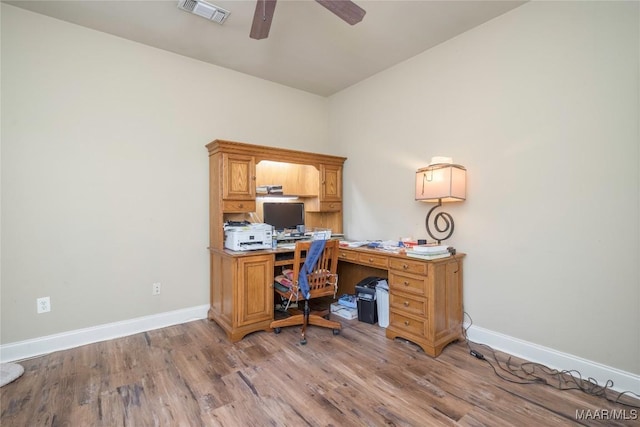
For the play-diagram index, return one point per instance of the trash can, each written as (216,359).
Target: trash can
(366,300)
(382,296)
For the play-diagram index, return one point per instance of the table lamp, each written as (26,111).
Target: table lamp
(441,181)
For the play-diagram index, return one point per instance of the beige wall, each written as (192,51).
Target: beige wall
(105,173)
(541,105)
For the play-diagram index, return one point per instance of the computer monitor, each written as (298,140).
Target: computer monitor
(283,216)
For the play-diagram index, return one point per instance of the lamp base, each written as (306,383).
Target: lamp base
(442,222)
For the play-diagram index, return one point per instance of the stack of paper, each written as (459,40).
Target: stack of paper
(344,312)
(429,252)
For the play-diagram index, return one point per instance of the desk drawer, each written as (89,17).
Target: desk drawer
(239,206)
(407,283)
(347,255)
(406,304)
(330,207)
(407,324)
(374,260)
(408,266)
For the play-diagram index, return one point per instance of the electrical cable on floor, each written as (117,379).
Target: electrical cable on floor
(537,373)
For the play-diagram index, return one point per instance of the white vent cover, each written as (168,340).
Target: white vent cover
(204,9)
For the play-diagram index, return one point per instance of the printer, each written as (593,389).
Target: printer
(244,236)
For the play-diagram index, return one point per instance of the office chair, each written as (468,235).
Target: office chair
(322,279)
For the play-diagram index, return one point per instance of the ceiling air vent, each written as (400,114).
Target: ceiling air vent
(204,9)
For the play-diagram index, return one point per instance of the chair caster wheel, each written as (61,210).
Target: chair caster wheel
(336,332)
(303,342)
(277,330)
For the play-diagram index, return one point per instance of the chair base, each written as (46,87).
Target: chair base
(298,319)
(315,318)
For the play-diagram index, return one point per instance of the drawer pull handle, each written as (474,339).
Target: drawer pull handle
(405,266)
(240,205)
(406,303)
(370,259)
(406,323)
(406,283)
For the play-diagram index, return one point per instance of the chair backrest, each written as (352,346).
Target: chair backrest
(323,278)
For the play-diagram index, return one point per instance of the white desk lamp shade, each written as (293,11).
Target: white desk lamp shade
(443,181)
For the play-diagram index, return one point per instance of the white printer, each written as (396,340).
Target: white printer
(244,236)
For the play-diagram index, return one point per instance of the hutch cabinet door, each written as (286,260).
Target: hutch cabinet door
(255,289)
(239,182)
(330,183)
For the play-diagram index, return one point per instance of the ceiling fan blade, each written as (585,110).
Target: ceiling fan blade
(262,19)
(345,9)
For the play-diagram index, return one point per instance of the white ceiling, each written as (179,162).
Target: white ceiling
(308,47)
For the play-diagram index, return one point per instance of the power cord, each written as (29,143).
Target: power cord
(536,373)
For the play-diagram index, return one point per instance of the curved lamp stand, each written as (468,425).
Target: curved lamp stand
(442,222)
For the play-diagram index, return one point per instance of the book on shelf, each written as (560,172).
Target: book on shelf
(269,189)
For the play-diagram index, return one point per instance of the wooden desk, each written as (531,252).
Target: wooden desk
(425,297)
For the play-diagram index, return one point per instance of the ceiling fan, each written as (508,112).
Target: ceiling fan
(344,9)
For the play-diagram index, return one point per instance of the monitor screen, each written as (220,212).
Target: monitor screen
(283,216)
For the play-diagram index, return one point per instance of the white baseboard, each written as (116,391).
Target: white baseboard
(622,381)
(39,346)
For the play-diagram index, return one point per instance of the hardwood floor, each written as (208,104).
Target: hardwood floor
(190,375)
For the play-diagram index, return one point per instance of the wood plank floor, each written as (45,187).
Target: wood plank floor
(190,375)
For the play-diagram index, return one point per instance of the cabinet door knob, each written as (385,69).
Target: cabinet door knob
(406,323)
(370,259)
(406,283)
(406,303)
(241,205)
(405,266)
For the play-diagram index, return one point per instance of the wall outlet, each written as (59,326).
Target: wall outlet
(155,289)
(43,305)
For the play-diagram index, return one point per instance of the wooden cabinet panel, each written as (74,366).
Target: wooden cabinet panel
(412,327)
(408,266)
(239,175)
(347,255)
(232,206)
(255,289)
(408,304)
(314,205)
(241,293)
(330,183)
(373,259)
(407,283)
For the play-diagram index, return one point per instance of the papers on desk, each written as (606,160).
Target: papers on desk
(287,245)
(424,249)
(429,252)
(387,245)
(354,244)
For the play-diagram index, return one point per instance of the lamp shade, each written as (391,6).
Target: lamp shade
(442,181)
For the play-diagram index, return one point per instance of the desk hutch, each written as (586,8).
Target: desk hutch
(425,296)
